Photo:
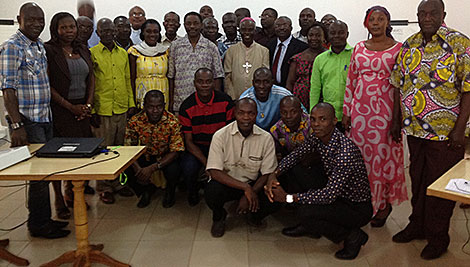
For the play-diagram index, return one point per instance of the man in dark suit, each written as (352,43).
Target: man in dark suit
(282,49)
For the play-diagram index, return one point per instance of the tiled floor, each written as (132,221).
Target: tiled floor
(180,236)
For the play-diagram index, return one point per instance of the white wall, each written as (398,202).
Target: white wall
(350,11)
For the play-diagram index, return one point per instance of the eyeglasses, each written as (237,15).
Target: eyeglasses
(266,16)
(138,15)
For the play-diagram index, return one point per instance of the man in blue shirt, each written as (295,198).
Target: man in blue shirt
(267,97)
(27,93)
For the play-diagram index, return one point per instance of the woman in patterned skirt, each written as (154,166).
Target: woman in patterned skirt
(300,70)
(370,110)
(149,63)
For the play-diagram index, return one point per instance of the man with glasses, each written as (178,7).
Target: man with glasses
(137,18)
(266,33)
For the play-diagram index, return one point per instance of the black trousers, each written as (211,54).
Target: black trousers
(430,215)
(217,194)
(171,172)
(336,220)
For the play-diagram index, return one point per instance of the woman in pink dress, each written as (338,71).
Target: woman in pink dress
(371,112)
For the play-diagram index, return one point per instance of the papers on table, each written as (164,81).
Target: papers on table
(461,186)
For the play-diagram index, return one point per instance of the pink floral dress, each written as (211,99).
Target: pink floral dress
(368,100)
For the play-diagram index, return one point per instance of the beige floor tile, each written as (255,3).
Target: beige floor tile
(118,230)
(40,251)
(453,257)
(274,225)
(277,253)
(384,233)
(219,253)
(8,207)
(19,234)
(119,250)
(162,253)
(127,208)
(171,228)
(320,252)
(389,254)
(236,227)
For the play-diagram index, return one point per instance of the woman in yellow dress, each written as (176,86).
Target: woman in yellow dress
(149,63)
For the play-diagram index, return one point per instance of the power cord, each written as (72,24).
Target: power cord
(82,166)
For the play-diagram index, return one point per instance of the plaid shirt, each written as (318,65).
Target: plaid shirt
(23,67)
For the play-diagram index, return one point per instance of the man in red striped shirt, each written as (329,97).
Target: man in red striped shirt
(201,115)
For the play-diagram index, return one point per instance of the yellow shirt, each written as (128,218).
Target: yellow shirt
(113,91)
(244,159)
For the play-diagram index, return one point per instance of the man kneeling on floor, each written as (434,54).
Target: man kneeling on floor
(160,132)
(338,210)
(238,154)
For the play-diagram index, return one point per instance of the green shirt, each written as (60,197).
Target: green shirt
(329,74)
(113,91)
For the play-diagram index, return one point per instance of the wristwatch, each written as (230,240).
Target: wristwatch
(16,125)
(289,198)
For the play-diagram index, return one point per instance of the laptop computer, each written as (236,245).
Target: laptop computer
(70,147)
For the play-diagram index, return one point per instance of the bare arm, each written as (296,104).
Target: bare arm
(218,84)
(292,76)
(457,135)
(194,149)
(133,70)
(171,87)
(19,136)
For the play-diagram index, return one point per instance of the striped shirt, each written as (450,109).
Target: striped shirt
(202,120)
(268,112)
(23,67)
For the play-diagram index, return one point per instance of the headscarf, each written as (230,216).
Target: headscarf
(382,9)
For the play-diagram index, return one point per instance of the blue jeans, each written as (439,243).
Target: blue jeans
(39,205)
(190,167)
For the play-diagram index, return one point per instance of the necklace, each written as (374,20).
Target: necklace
(69,54)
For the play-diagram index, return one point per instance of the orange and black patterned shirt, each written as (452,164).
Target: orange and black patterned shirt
(160,139)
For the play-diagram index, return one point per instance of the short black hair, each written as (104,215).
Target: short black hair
(145,24)
(154,94)
(272,10)
(245,100)
(328,106)
(291,99)
(118,18)
(203,70)
(172,13)
(245,10)
(322,27)
(193,13)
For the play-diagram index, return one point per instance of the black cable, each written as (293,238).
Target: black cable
(13,185)
(468,231)
(82,166)
(4,139)
(13,228)
(11,193)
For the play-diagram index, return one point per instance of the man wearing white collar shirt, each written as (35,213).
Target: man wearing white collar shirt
(171,23)
(137,18)
(306,20)
(282,49)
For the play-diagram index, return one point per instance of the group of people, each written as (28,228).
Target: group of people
(226,108)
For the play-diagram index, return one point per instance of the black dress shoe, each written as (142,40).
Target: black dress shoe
(59,224)
(168,198)
(144,200)
(298,231)
(49,232)
(352,245)
(193,199)
(431,252)
(407,235)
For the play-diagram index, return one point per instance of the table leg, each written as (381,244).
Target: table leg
(85,253)
(5,255)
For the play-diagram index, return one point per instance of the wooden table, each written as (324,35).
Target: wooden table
(39,168)
(438,188)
